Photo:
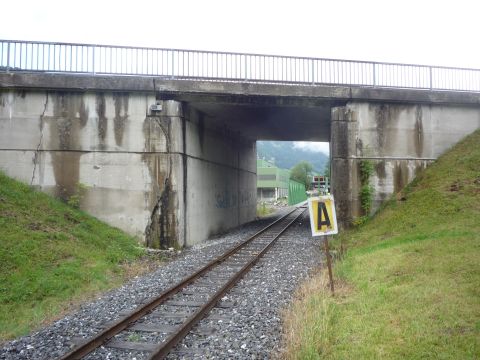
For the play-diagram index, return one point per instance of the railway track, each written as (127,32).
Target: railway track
(171,315)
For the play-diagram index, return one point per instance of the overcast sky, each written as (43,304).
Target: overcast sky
(421,32)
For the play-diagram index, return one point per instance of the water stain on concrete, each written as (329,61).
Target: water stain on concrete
(65,129)
(387,116)
(418,133)
(400,175)
(66,169)
(156,132)
(161,228)
(65,126)
(102,120)
(420,166)
(380,169)
(382,117)
(83,113)
(121,116)
(359,146)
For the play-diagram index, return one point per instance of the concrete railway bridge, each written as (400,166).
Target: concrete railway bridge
(161,142)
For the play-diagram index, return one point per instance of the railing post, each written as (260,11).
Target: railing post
(374,76)
(246,77)
(8,57)
(93,67)
(313,71)
(431,78)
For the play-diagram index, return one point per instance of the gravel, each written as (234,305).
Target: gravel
(248,326)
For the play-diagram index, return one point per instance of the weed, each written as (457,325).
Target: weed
(75,199)
(366,170)
(366,198)
(359,221)
(263,210)
(134,337)
(366,190)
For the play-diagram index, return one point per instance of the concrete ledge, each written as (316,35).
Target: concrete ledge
(194,90)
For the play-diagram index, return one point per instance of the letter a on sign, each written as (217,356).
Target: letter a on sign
(323,219)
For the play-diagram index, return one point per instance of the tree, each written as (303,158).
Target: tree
(302,172)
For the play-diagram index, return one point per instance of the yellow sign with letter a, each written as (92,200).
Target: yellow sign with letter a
(323,219)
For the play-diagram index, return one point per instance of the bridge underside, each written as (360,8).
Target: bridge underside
(177,176)
(261,122)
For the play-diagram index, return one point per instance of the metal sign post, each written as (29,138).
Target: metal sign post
(329,263)
(323,222)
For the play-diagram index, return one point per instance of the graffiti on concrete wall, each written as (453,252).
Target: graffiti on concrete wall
(225,198)
(247,197)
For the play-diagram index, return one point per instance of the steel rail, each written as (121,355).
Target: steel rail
(164,349)
(123,323)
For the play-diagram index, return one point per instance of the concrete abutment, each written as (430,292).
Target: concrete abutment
(399,140)
(170,177)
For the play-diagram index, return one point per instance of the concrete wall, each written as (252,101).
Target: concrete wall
(399,139)
(156,176)
(221,179)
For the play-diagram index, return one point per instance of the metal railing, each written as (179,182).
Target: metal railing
(235,67)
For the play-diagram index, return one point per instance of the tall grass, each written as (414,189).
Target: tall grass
(409,282)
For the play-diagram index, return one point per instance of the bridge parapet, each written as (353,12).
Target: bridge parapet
(94,59)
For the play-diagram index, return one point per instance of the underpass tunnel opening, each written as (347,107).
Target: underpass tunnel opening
(290,171)
(226,143)
(287,133)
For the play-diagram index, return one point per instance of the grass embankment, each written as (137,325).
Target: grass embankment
(53,256)
(409,284)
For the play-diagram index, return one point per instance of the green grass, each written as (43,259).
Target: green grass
(409,284)
(51,256)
